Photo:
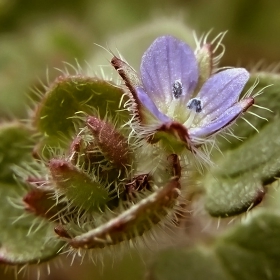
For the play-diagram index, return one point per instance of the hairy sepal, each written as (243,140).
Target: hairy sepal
(41,203)
(150,205)
(113,145)
(132,222)
(68,95)
(132,82)
(77,188)
(204,58)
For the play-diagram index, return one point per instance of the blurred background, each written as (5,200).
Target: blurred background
(38,36)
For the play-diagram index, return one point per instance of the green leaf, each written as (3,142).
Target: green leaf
(229,197)
(251,250)
(248,251)
(69,95)
(15,148)
(182,264)
(236,184)
(24,238)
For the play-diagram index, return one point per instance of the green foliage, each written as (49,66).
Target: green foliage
(98,184)
(248,251)
(239,184)
(25,238)
(15,148)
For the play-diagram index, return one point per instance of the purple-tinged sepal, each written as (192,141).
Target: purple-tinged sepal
(141,106)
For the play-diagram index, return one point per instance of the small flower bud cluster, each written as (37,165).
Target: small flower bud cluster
(117,181)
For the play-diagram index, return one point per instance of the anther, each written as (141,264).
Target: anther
(195,104)
(177,89)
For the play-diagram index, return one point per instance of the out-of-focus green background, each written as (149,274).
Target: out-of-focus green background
(37,35)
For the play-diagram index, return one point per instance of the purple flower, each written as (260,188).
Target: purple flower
(168,98)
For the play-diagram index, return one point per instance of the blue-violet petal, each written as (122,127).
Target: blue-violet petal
(222,121)
(221,91)
(169,69)
(150,105)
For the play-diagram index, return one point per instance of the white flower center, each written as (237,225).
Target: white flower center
(181,112)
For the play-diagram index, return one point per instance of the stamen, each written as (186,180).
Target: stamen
(195,103)
(189,121)
(177,89)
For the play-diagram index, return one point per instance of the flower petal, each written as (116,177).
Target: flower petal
(222,121)
(150,105)
(220,92)
(168,69)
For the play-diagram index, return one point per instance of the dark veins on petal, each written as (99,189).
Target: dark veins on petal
(177,89)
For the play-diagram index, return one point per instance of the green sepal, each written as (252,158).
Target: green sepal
(169,141)
(133,222)
(82,191)
(145,204)
(204,58)
(56,115)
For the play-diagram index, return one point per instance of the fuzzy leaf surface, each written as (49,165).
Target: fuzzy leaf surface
(15,147)
(69,95)
(21,239)
(249,250)
(237,184)
(24,238)
(79,188)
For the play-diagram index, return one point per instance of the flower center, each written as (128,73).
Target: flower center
(177,110)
